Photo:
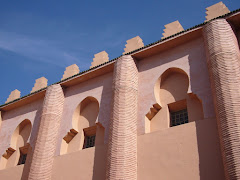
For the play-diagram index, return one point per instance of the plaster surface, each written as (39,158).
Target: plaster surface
(188,151)
(101,89)
(87,164)
(11,119)
(189,57)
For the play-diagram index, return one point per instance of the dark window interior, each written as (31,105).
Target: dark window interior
(89,141)
(179,117)
(22,159)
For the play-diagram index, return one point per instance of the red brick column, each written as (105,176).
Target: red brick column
(122,147)
(45,145)
(224,69)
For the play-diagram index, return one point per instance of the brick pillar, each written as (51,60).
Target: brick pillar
(223,60)
(45,145)
(122,145)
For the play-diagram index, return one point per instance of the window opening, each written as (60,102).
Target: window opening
(89,137)
(22,159)
(179,117)
(89,141)
(23,154)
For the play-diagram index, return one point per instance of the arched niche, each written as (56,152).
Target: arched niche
(17,152)
(171,86)
(83,124)
(172,97)
(85,114)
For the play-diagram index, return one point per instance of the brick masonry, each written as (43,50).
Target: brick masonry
(224,69)
(45,146)
(122,147)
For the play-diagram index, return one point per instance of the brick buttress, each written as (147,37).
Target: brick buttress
(45,146)
(223,60)
(122,145)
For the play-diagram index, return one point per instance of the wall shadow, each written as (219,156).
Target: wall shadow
(210,159)
(105,108)
(33,138)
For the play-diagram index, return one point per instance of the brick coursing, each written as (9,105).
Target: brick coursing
(224,69)
(45,146)
(122,147)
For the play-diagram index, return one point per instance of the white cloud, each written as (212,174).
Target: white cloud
(36,49)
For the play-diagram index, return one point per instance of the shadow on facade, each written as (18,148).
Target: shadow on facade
(34,132)
(100,156)
(210,160)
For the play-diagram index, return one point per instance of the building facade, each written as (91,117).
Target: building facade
(167,110)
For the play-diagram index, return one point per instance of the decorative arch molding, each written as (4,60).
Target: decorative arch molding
(18,146)
(172,94)
(84,122)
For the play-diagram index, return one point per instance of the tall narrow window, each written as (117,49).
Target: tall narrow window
(179,117)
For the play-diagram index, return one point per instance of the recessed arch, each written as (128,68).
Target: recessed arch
(18,145)
(171,86)
(86,113)
(83,122)
(173,101)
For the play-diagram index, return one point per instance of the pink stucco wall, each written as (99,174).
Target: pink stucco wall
(189,151)
(189,57)
(99,88)
(13,173)
(87,164)
(11,119)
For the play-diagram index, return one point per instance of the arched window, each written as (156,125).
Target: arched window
(16,154)
(175,106)
(85,132)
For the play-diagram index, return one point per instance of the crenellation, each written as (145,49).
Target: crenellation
(70,71)
(172,28)
(133,44)
(13,95)
(216,10)
(99,58)
(39,84)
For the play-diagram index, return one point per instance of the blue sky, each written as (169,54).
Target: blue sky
(41,38)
